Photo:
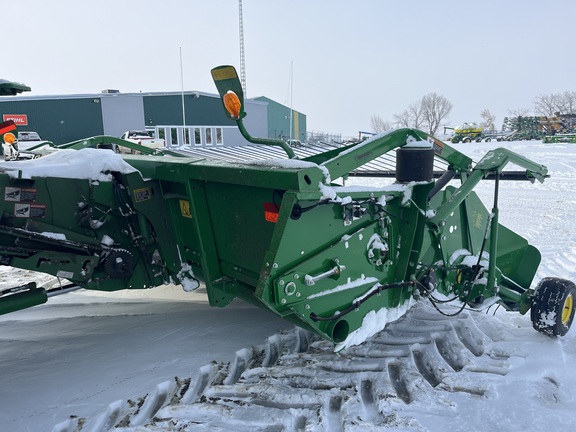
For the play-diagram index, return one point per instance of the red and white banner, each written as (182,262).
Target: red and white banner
(18,119)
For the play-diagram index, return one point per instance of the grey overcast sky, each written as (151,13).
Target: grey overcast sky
(351,59)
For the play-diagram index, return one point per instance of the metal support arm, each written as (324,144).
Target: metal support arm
(493,162)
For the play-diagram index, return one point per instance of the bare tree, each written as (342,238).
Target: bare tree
(435,108)
(519,112)
(568,99)
(546,105)
(555,103)
(411,117)
(488,119)
(403,119)
(378,124)
(428,112)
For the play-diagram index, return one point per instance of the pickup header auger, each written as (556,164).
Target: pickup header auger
(281,233)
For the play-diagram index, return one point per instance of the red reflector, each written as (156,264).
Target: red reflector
(271,212)
(7,126)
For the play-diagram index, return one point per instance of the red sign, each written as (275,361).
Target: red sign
(18,119)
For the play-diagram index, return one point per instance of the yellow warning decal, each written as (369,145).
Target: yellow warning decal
(224,73)
(185,209)
(142,194)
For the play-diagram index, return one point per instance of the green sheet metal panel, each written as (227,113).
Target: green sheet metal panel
(57,120)
(279,121)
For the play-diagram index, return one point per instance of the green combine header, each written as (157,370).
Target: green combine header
(281,233)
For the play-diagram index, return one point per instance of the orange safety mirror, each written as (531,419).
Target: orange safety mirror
(232,104)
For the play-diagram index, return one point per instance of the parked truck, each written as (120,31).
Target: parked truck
(144,138)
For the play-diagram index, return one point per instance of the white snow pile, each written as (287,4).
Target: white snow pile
(91,164)
(414,143)
(373,322)
(290,164)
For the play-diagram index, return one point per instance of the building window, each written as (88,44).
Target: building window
(186,136)
(219,136)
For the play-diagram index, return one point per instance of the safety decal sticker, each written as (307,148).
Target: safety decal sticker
(20,194)
(142,194)
(32,211)
(185,209)
(438,146)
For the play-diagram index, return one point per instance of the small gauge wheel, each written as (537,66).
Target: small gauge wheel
(553,306)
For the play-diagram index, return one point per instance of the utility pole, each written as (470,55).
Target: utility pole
(182,89)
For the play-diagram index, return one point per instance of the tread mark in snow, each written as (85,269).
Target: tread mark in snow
(239,365)
(303,340)
(272,351)
(470,339)
(399,382)
(450,349)
(154,402)
(367,397)
(333,415)
(429,364)
(296,382)
(300,424)
(202,380)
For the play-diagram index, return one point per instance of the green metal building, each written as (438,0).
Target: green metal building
(280,120)
(67,118)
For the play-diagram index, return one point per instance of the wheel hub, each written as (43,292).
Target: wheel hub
(567,309)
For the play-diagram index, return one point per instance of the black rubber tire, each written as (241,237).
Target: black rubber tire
(553,306)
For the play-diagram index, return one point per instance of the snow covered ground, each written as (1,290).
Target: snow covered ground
(80,352)
(83,351)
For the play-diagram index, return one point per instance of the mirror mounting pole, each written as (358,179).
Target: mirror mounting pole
(265,141)
(232,96)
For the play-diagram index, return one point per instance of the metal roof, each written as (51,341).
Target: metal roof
(112,95)
(383,166)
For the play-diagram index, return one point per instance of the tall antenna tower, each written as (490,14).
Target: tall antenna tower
(242,59)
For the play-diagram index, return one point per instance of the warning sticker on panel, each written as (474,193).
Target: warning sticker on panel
(65,274)
(12,194)
(185,209)
(33,211)
(142,194)
(20,194)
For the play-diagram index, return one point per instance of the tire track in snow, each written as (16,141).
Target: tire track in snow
(296,382)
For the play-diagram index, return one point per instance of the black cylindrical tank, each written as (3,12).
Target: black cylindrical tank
(414,164)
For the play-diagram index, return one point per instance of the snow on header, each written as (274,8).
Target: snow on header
(469,259)
(375,322)
(91,164)
(290,164)
(413,142)
(334,192)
